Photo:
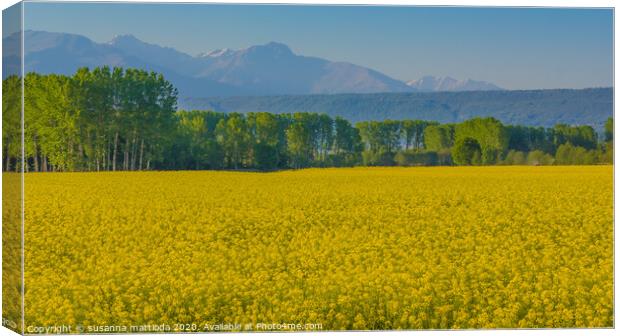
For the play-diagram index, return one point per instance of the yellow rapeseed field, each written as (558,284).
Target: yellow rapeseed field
(359,248)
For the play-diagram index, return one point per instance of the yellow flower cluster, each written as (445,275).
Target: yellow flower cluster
(359,248)
(11,251)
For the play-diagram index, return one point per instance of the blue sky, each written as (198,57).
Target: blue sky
(516,48)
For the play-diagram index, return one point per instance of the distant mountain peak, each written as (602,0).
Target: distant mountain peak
(274,48)
(217,53)
(436,84)
(277,45)
(131,42)
(124,38)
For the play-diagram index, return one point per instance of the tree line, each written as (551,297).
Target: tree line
(104,119)
(109,119)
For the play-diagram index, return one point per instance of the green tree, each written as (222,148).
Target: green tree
(299,145)
(269,138)
(489,133)
(413,131)
(609,129)
(514,158)
(11,121)
(232,134)
(539,158)
(347,143)
(438,137)
(568,154)
(466,151)
(582,136)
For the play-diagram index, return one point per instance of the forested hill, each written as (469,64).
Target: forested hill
(532,108)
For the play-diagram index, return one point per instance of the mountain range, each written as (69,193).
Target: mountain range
(269,69)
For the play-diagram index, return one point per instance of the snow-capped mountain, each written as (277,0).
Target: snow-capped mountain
(217,53)
(268,69)
(274,68)
(436,84)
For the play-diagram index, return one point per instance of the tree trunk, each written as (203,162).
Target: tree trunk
(115,151)
(36,157)
(106,153)
(126,155)
(133,151)
(141,154)
(81,156)
(104,158)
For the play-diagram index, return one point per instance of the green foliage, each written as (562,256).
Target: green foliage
(466,151)
(378,158)
(347,138)
(525,138)
(416,158)
(582,136)
(11,121)
(444,157)
(514,158)
(265,156)
(609,129)
(491,136)
(300,140)
(539,158)
(96,119)
(568,154)
(233,135)
(414,132)
(439,137)
(347,144)
(380,136)
(195,146)
(490,156)
(608,153)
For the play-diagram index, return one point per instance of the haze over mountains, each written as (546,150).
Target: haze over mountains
(269,69)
